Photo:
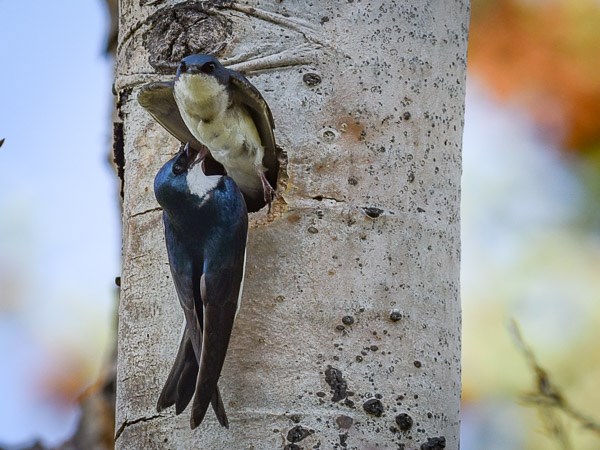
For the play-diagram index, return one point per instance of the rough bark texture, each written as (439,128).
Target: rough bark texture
(349,331)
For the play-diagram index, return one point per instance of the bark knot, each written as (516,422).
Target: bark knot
(187,28)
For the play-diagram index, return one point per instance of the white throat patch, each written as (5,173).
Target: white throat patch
(199,183)
(199,96)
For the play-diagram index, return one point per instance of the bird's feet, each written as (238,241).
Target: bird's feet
(268,190)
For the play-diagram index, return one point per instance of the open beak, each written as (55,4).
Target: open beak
(191,156)
(185,159)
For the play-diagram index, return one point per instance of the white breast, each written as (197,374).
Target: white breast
(199,183)
(199,97)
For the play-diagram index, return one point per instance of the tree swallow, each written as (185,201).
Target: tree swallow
(206,228)
(216,108)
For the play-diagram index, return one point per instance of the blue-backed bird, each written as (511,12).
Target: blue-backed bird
(218,110)
(206,228)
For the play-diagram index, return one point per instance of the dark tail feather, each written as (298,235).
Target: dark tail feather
(187,379)
(218,323)
(169,393)
(219,407)
(187,386)
(181,383)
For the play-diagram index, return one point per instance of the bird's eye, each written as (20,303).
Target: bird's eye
(179,167)
(209,67)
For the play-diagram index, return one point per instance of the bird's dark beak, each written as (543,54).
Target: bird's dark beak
(185,160)
(180,70)
(186,68)
(192,155)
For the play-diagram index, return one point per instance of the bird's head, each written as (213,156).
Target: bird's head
(200,87)
(182,180)
(171,180)
(184,160)
(203,66)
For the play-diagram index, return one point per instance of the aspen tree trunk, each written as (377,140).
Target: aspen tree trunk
(349,329)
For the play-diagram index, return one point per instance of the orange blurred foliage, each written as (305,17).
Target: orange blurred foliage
(545,55)
(65,378)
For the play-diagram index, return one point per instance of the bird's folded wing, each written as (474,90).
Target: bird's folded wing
(157,98)
(242,91)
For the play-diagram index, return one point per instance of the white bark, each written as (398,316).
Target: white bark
(367,223)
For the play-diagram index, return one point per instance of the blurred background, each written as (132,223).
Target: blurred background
(59,215)
(530,221)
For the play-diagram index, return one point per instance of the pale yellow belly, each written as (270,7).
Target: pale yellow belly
(233,141)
